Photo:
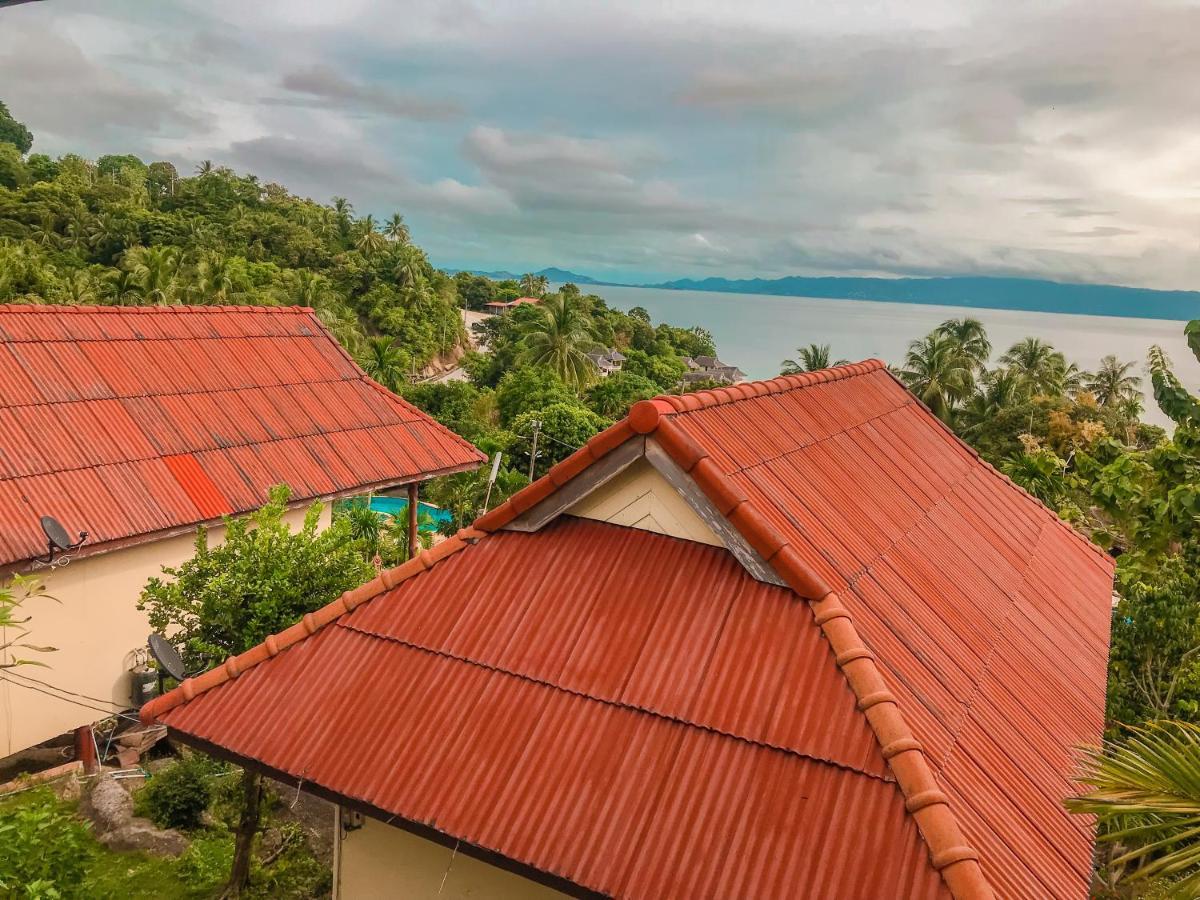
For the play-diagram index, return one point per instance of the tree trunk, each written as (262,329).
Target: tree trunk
(239,877)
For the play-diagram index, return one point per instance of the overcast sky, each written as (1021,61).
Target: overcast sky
(686,138)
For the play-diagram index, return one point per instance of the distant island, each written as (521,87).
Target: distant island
(970,291)
(980,292)
(556,276)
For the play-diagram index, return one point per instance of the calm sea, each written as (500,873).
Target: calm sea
(757,332)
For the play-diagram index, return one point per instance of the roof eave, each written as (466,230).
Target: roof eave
(491,857)
(89,551)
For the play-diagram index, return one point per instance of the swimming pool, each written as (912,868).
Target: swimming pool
(398,507)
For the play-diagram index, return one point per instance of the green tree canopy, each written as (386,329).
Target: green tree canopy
(14,132)
(262,578)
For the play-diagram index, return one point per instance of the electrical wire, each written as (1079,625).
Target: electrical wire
(107,712)
(62,690)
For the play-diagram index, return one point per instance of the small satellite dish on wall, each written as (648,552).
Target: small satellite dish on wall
(166,656)
(57,539)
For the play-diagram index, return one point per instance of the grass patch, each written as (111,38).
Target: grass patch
(47,851)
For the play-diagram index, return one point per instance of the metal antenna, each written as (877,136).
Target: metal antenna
(537,427)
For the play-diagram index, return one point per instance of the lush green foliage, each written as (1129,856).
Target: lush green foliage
(13,631)
(261,579)
(380,536)
(535,369)
(13,132)
(1145,793)
(47,852)
(809,359)
(178,796)
(43,848)
(119,231)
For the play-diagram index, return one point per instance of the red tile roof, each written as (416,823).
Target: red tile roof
(127,421)
(969,623)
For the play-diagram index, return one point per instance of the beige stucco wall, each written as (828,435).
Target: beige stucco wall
(379,861)
(96,626)
(641,498)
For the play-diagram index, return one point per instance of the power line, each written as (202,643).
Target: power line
(61,690)
(107,712)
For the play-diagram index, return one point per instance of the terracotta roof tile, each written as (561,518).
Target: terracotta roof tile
(226,401)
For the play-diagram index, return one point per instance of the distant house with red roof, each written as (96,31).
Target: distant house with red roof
(781,639)
(499,306)
(137,425)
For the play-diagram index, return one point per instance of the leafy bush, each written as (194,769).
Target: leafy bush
(208,859)
(43,848)
(177,797)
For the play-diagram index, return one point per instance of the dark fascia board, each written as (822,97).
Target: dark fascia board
(491,857)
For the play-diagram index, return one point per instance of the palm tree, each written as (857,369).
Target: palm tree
(534,285)
(936,370)
(205,168)
(343,215)
(1145,794)
(77,289)
(562,343)
(409,270)
(1040,369)
(154,270)
(120,287)
(1112,384)
(79,227)
(384,362)
(45,232)
(995,391)
(214,282)
(971,338)
(396,229)
(811,358)
(369,240)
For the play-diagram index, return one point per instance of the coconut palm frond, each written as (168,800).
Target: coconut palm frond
(1145,794)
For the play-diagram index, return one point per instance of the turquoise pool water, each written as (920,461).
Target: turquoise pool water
(398,506)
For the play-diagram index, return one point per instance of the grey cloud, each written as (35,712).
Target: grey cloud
(80,104)
(326,86)
(306,166)
(560,173)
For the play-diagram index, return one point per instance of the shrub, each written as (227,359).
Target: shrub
(43,848)
(177,797)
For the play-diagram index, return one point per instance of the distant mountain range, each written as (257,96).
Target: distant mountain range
(978,292)
(969,291)
(557,276)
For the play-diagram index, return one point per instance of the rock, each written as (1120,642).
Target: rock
(109,805)
(128,758)
(140,834)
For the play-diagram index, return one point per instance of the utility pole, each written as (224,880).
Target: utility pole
(537,426)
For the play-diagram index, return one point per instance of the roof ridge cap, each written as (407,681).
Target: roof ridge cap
(164,309)
(950,854)
(956,861)
(309,624)
(778,385)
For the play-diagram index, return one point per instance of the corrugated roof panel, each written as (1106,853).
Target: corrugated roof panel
(198,486)
(986,617)
(957,578)
(221,469)
(16,387)
(579,780)
(82,388)
(86,383)
(38,363)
